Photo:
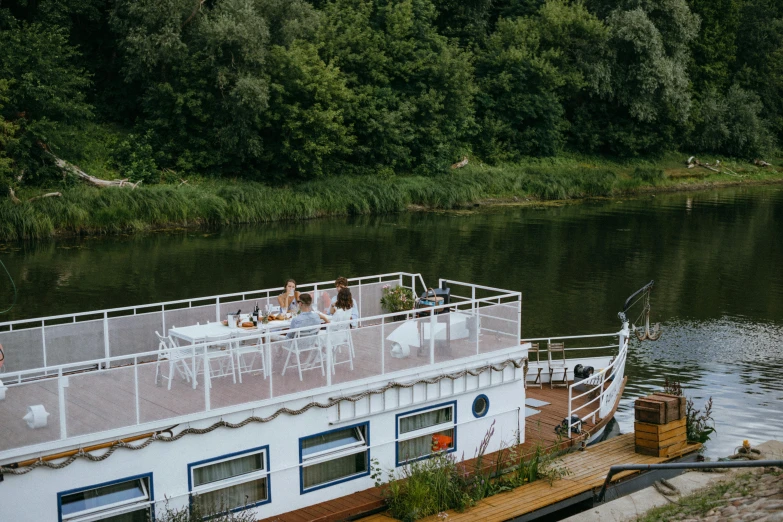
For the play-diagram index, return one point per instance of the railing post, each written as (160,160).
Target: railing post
(62,383)
(207,380)
(329,356)
(136,387)
(519,319)
(569,410)
(359,308)
(433,322)
(383,346)
(106,349)
(217,308)
(43,344)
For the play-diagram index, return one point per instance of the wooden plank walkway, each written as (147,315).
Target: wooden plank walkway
(588,471)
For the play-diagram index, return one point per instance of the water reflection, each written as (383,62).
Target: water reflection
(737,363)
(715,256)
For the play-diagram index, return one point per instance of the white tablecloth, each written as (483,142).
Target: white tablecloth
(198,332)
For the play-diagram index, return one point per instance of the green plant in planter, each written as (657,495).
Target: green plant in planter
(397,299)
(699,424)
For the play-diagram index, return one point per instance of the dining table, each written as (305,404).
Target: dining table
(198,333)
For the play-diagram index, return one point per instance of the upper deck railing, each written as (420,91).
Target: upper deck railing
(104,374)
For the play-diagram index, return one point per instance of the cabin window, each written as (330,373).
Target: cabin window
(126,500)
(480,406)
(231,482)
(334,456)
(422,433)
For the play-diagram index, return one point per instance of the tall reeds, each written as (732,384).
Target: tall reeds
(90,210)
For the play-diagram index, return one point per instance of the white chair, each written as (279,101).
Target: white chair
(305,340)
(534,350)
(252,348)
(557,363)
(219,350)
(339,335)
(176,356)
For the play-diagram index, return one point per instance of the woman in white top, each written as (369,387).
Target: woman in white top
(341,309)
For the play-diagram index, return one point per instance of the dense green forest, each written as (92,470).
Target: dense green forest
(281,91)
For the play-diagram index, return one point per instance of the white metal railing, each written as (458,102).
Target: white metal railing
(607,395)
(44,331)
(131,376)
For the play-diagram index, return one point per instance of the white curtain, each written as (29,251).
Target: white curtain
(338,468)
(425,420)
(421,446)
(222,500)
(228,469)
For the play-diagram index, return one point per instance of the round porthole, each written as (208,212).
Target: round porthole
(480,406)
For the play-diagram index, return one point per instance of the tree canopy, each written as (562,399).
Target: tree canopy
(277,90)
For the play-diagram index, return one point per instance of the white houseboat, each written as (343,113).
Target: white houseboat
(107,415)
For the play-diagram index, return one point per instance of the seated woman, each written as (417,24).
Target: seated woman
(340,284)
(289,299)
(344,307)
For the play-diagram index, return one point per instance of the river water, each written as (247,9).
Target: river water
(716,258)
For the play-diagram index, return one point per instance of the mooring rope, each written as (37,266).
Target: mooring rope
(517,363)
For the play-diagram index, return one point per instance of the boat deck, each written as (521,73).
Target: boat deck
(539,429)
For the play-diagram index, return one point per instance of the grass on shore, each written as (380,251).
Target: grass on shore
(212,202)
(700,502)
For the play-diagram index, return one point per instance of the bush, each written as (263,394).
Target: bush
(135,159)
(193,513)
(700,425)
(732,125)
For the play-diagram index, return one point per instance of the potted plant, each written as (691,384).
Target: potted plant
(397,299)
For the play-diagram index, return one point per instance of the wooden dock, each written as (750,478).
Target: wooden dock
(588,471)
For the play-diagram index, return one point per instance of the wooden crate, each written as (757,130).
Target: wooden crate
(675,405)
(660,440)
(659,408)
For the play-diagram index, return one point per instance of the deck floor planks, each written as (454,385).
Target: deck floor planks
(588,469)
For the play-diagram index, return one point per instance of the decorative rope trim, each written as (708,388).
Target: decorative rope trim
(158,436)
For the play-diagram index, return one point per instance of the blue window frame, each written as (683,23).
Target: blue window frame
(480,406)
(129,496)
(231,482)
(334,456)
(423,432)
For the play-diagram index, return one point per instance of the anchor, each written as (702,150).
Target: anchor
(644,334)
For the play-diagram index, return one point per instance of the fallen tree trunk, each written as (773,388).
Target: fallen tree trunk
(12,195)
(460,164)
(67,167)
(693,161)
(47,195)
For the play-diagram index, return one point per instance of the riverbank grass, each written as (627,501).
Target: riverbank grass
(738,495)
(211,202)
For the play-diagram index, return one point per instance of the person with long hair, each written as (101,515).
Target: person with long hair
(344,307)
(289,299)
